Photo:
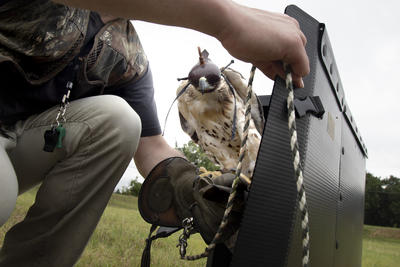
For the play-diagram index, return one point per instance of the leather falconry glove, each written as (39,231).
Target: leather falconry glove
(174,191)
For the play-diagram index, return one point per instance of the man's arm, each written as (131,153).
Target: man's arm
(262,38)
(151,151)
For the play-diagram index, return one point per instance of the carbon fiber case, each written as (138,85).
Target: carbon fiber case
(333,156)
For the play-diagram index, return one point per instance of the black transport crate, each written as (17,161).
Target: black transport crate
(333,156)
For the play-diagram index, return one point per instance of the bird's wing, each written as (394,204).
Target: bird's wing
(184,115)
(187,128)
(239,84)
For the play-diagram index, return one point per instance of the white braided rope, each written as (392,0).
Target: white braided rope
(298,170)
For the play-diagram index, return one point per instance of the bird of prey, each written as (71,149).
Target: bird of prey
(211,104)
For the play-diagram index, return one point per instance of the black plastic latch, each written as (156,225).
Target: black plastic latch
(310,104)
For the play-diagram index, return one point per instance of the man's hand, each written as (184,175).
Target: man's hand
(266,40)
(256,36)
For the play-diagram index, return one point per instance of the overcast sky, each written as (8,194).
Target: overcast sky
(365,37)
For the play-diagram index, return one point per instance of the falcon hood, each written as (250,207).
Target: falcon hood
(205,76)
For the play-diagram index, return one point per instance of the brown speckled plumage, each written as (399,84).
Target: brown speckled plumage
(209,117)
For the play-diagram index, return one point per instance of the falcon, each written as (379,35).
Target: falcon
(211,104)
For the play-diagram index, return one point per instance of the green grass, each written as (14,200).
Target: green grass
(120,237)
(381,246)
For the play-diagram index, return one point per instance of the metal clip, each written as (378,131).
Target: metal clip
(63,106)
(187,224)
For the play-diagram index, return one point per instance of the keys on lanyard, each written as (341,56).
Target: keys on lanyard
(53,137)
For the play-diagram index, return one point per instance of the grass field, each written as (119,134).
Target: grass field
(120,237)
(381,246)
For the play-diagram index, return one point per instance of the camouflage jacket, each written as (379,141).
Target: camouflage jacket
(39,38)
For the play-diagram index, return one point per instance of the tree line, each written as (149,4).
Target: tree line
(132,189)
(382,201)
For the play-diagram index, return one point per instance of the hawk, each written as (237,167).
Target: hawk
(211,104)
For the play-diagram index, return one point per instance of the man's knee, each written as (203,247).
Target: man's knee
(118,123)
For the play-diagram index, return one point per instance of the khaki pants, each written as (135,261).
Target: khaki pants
(77,180)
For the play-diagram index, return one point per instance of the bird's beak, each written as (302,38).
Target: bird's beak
(203,84)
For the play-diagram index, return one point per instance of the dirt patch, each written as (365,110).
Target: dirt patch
(384,232)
